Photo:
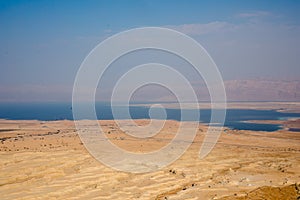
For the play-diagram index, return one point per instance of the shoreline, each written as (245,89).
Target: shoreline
(282,106)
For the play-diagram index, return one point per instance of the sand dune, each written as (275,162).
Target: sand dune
(46,160)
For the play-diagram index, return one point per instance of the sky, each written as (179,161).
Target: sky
(43,43)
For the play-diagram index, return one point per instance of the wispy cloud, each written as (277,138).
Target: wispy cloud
(254,14)
(203,29)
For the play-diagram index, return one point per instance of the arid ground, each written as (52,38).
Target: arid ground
(47,160)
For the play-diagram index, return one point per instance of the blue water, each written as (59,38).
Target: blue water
(57,111)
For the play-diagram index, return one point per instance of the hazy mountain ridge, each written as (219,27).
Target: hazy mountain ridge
(262,90)
(247,90)
(236,90)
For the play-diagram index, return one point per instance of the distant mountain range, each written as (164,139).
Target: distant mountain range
(262,90)
(236,90)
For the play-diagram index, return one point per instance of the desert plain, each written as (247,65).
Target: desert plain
(47,160)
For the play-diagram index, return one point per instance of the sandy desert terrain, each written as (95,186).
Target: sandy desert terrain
(47,160)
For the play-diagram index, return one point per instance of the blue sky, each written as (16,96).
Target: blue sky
(44,42)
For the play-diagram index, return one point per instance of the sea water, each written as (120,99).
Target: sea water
(235,118)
